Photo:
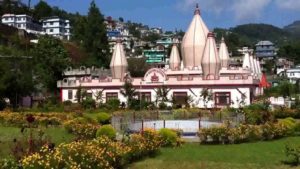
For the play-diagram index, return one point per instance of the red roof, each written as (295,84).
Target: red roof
(264,82)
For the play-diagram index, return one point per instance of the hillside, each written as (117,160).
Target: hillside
(293,28)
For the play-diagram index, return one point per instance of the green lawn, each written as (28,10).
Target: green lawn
(243,156)
(7,134)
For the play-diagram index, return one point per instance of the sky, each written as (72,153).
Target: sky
(177,14)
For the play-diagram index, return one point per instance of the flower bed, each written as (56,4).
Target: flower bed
(226,134)
(19,119)
(98,153)
(82,128)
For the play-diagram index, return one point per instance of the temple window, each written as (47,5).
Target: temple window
(70,94)
(145,96)
(111,96)
(222,98)
(180,97)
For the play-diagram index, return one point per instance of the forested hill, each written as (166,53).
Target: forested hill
(293,29)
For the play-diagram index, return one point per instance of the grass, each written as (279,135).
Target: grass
(258,155)
(7,134)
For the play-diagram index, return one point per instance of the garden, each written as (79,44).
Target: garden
(254,136)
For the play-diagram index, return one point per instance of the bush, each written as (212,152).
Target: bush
(104,118)
(8,164)
(106,130)
(2,104)
(293,155)
(82,128)
(113,104)
(67,103)
(290,123)
(88,103)
(162,106)
(169,137)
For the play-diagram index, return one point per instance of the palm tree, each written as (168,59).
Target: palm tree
(162,94)
(206,96)
(128,91)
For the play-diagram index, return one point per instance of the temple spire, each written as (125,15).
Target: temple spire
(211,63)
(118,64)
(197,10)
(174,57)
(193,42)
(223,53)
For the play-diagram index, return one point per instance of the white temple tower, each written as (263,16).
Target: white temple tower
(118,64)
(211,63)
(175,58)
(193,42)
(223,53)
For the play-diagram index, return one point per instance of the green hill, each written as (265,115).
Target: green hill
(293,29)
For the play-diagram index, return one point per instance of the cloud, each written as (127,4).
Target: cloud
(248,10)
(243,10)
(288,4)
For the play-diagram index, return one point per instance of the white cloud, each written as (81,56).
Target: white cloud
(248,10)
(288,4)
(243,10)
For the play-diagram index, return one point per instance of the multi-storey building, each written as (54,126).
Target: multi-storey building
(57,27)
(24,22)
(265,49)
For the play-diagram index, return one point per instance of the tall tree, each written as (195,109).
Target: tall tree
(78,30)
(95,41)
(51,59)
(42,9)
(129,92)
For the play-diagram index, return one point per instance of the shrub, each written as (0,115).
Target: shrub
(2,104)
(8,164)
(162,106)
(106,130)
(113,104)
(82,128)
(293,155)
(88,103)
(290,123)
(98,153)
(67,103)
(104,118)
(169,137)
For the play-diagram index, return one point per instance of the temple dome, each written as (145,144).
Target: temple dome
(194,40)
(175,58)
(211,63)
(223,53)
(118,64)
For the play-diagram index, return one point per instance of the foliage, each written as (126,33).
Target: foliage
(2,104)
(98,153)
(113,104)
(206,96)
(104,118)
(44,119)
(285,89)
(106,130)
(42,10)
(95,40)
(293,155)
(162,94)
(8,164)
(129,92)
(88,103)
(82,128)
(258,113)
(284,112)
(137,66)
(169,137)
(225,134)
(50,60)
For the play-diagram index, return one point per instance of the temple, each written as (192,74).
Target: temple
(200,74)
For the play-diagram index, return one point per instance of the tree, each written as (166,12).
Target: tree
(206,96)
(121,19)
(95,40)
(137,67)
(129,92)
(79,28)
(162,94)
(15,79)
(41,10)
(51,59)
(80,94)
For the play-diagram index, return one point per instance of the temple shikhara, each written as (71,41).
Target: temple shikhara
(199,67)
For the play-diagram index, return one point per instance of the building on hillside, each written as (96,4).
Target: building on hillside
(57,27)
(202,69)
(24,22)
(156,56)
(18,3)
(265,50)
(293,74)
(283,64)
(167,42)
